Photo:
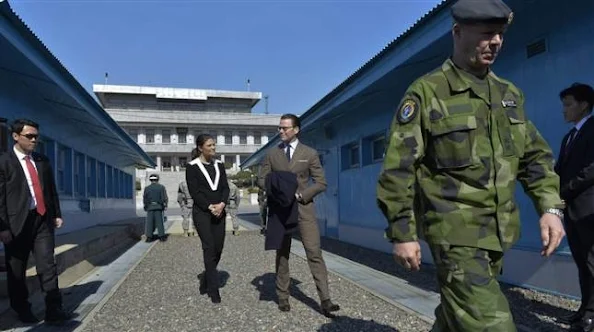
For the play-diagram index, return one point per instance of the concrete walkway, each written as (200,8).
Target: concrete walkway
(153,287)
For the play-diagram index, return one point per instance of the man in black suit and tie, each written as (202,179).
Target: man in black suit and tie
(29,212)
(575,167)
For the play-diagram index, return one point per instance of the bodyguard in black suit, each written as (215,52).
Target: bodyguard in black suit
(575,167)
(29,212)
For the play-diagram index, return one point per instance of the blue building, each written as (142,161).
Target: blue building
(93,158)
(546,49)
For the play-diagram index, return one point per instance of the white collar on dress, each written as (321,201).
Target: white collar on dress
(213,185)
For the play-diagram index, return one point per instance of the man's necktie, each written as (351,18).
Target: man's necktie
(288,152)
(36,186)
(570,139)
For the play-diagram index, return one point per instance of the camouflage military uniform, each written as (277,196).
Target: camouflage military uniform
(186,203)
(232,205)
(456,148)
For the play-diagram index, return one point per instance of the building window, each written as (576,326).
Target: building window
(91,177)
(354,155)
(40,146)
(257,138)
(166,161)
(150,136)
(166,136)
(134,134)
(350,156)
(228,137)
(183,161)
(377,148)
(109,182)
(79,171)
(61,169)
(182,134)
(242,137)
(101,180)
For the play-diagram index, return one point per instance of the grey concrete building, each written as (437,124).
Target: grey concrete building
(166,121)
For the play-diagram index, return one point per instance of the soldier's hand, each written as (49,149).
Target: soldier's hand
(408,254)
(551,232)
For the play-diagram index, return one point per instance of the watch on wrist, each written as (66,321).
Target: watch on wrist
(555,211)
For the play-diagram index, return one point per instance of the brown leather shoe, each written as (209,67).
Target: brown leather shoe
(284,306)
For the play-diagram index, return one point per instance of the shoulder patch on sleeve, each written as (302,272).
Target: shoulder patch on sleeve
(408,109)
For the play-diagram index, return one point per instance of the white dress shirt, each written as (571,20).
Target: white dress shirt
(293,146)
(21,156)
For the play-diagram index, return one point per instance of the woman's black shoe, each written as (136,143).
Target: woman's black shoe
(202,284)
(215,297)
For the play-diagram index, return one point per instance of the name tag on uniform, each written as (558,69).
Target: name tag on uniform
(508,103)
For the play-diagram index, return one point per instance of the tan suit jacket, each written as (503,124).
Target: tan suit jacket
(306,164)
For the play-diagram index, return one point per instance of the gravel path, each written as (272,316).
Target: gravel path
(161,294)
(530,308)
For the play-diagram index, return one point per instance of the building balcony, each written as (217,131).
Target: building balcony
(178,118)
(176,148)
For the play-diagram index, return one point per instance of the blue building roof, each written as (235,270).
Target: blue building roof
(99,126)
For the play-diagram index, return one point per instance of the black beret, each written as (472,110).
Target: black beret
(481,11)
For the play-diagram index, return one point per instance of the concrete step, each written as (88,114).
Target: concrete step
(79,252)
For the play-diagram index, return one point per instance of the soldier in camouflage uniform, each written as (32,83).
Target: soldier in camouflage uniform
(459,141)
(232,205)
(185,203)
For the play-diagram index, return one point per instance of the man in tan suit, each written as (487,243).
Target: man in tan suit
(302,160)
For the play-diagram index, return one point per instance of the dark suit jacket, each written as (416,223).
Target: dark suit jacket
(283,215)
(305,163)
(15,196)
(576,170)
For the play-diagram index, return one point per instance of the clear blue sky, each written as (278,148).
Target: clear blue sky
(294,51)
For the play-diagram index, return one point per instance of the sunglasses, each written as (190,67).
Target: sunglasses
(30,136)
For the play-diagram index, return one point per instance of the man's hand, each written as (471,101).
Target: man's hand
(58,222)
(6,237)
(551,232)
(408,254)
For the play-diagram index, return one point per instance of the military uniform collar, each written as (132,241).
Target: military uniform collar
(457,82)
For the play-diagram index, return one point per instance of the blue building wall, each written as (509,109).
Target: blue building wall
(93,159)
(346,135)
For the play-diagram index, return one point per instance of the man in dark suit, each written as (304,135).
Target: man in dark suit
(575,167)
(29,212)
(302,160)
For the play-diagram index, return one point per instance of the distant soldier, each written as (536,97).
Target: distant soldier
(263,203)
(232,205)
(155,202)
(185,203)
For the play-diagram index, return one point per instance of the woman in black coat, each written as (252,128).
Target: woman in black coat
(207,183)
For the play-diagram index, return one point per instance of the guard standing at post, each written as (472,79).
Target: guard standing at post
(186,202)
(459,141)
(233,205)
(155,202)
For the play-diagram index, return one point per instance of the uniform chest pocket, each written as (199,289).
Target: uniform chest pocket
(517,136)
(452,141)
